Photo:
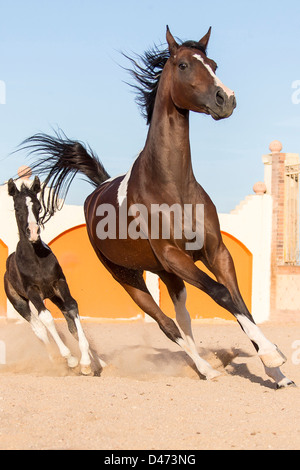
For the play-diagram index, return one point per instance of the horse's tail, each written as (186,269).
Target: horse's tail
(60,159)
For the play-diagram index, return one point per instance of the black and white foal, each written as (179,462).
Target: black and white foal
(33,274)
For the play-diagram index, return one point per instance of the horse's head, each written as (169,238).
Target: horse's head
(194,85)
(27,208)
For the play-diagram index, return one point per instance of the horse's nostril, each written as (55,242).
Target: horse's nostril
(234,102)
(220,98)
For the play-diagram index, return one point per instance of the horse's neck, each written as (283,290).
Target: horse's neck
(167,149)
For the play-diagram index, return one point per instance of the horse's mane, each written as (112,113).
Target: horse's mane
(146,70)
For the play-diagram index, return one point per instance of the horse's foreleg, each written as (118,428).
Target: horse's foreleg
(23,307)
(69,307)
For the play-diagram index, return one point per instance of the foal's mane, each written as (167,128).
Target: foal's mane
(147,69)
(26,191)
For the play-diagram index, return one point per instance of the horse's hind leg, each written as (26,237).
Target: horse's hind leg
(225,293)
(145,301)
(68,305)
(133,282)
(271,357)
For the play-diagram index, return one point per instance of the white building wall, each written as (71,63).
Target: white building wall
(251,223)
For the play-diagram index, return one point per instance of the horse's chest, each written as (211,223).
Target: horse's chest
(40,274)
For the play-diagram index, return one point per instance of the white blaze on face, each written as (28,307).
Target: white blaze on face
(32,223)
(217,81)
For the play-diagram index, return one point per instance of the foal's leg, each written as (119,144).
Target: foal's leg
(182,265)
(44,316)
(22,306)
(69,307)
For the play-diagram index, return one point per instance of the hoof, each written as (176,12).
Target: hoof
(97,372)
(214,374)
(72,362)
(86,370)
(285,384)
(274,359)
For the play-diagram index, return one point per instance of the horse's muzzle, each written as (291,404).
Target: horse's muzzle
(224,104)
(33,232)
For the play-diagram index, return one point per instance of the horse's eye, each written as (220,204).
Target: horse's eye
(182,66)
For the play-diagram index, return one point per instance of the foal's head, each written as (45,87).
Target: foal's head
(194,84)
(27,208)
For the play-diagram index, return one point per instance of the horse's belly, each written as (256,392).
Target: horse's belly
(108,228)
(133,254)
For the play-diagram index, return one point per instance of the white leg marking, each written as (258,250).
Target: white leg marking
(40,331)
(83,344)
(188,345)
(280,379)
(38,328)
(254,334)
(268,352)
(47,320)
(84,347)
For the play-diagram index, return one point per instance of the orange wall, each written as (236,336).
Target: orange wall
(201,305)
(3,258)
(99,295)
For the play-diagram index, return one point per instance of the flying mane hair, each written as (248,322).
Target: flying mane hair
(146,70)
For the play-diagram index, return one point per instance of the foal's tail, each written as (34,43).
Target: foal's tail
(60,159)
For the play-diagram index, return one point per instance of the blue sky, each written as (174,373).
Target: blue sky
(60,62)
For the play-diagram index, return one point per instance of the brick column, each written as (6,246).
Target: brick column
(277,191)
(278,172)
(285,278)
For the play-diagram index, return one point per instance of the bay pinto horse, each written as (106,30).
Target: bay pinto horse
(170,84)
(33,274)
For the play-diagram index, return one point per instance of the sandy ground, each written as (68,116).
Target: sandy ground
(149,396)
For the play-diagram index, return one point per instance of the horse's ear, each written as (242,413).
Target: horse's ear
(36,185)
(173,46)
(204,41)
(12,188)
